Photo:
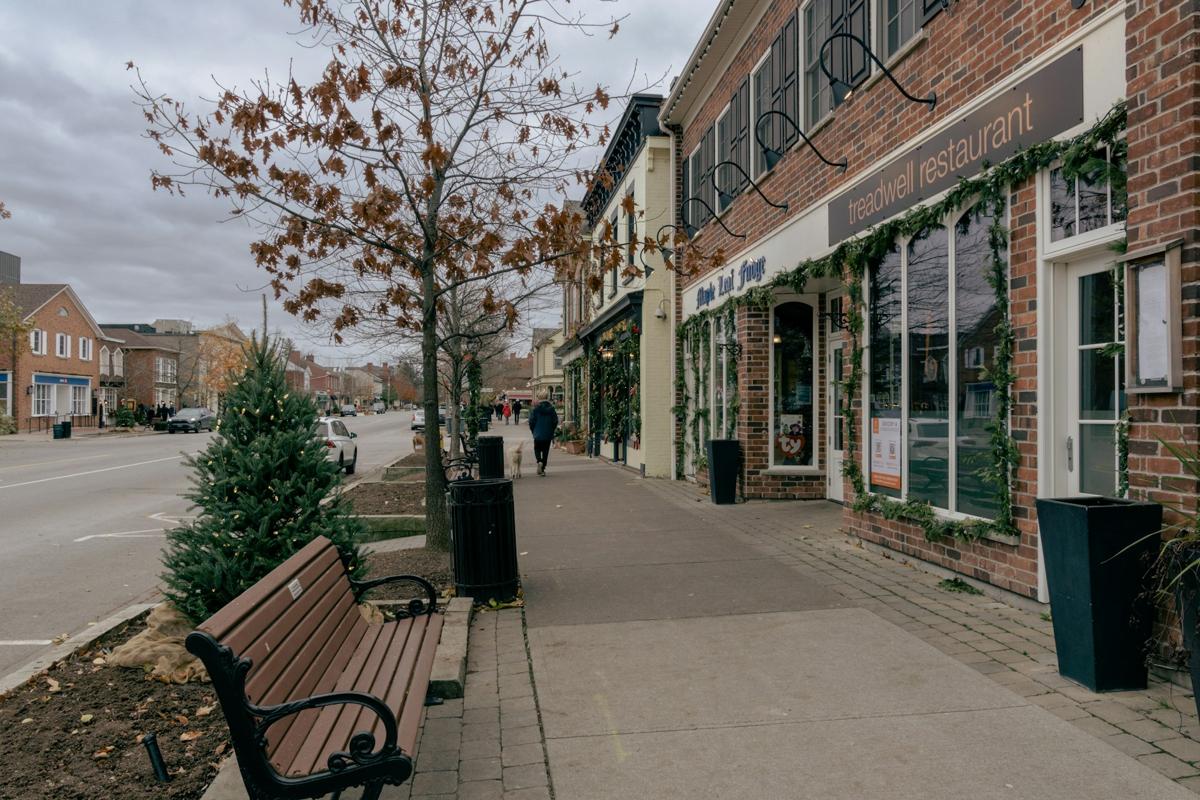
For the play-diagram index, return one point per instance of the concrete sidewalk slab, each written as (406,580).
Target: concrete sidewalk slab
(669,591)
(738,670)
(996,754)
(568,549)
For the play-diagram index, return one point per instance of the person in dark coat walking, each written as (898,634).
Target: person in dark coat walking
(543,422)
(516,406)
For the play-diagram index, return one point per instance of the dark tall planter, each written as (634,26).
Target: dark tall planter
(724,463)
(1187,603)
(1098,552)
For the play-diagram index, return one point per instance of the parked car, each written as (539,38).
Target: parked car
(192,420)
(379,407)
(418,420)
(349,410)
(340,446)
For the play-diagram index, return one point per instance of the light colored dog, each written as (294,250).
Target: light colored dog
(418,442)
(514,459)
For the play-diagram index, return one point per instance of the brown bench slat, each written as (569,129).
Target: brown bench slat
(220,623)
(408,717)
(384,660)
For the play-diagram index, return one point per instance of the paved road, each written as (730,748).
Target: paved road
(81,524)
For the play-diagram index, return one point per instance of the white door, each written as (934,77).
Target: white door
(1095,379)
(834,371)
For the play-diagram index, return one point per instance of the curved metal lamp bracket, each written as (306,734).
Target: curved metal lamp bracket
(772,156)
(689,229)
(839,95)
(667,252)
(727,198)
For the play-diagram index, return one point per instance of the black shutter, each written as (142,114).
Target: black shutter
(685,190)
(709,149)
(930,9)
(789,79)
(740,149)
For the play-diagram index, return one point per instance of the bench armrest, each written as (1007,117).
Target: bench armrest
(416,607)
(361,751)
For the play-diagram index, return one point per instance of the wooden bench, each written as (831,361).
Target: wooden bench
(317,699)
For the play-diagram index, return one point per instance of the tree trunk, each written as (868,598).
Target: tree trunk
(437,522)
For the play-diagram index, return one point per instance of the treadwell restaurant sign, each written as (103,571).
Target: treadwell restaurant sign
(1034,110)
(751,271)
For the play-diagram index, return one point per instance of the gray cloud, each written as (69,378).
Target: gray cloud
(74,164)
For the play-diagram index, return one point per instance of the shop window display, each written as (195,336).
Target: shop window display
(795,393)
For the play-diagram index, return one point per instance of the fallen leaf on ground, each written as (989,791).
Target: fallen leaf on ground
(181,719)
(53,684)
(221,748)
(190,736)
(99,662)
(27,720)
(204,711)
(62,637)
(103,752)
(86,718)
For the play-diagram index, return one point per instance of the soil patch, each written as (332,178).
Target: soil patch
(50,752)
(432,565)
(411,460)
(387,498)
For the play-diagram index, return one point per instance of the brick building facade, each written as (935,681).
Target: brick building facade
(1006,78)
(57,369)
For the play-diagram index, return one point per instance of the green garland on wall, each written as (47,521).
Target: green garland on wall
(853,259)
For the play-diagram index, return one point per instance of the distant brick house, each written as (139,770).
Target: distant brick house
(149,366)
(57,373)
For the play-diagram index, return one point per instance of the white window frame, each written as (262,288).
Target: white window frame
(62,345)
(118,363)
(79,401)
(813,301)
(105,354)
(85,348)
(1071,245)
(38,343)
(756,169)
(717,140)
(810,125)
(879,32)
(43,400)
(949,221)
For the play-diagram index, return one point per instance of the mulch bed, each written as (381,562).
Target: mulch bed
(50,752)
(387,498)
(411,460)
(432,565)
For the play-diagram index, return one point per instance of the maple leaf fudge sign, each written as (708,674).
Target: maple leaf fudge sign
(1033,110)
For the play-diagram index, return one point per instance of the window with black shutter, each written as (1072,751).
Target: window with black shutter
(630,229)
(930,9)
(740,143)
(845,59)
(725,173)
(685,188)
(770,129)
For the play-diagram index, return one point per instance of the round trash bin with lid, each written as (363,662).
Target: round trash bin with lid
(483,533)
(490,451)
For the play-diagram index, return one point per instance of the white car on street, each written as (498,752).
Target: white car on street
(339,443)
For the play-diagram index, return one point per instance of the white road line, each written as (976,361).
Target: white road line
(24,642)
(90,472)
(147,533)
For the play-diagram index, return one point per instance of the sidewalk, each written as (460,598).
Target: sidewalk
(680,649)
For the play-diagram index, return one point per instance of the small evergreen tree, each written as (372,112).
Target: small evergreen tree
(258,487)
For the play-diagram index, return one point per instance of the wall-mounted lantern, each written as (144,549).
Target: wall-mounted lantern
(772,156)
(842,90)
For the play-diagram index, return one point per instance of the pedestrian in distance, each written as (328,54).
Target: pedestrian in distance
(516,412)
(543,423)
(507,412)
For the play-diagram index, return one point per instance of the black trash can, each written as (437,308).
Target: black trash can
(1098,552)
(56,430)
(483,422)
(483,533)
(490,450)
(724,462)
(66,426)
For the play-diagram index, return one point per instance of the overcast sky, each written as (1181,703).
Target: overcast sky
(74,166)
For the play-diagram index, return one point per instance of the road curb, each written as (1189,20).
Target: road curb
(22,675)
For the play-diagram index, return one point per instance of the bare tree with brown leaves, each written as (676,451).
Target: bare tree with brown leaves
(432,153)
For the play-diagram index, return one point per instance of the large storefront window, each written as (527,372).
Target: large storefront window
(4,384)
(42,394)
(935,446)
(794,443)
(886,348)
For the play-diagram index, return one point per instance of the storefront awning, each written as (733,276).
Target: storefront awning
(628,306)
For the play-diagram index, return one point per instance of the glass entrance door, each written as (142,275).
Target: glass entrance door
(1095,379)
(835,371)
